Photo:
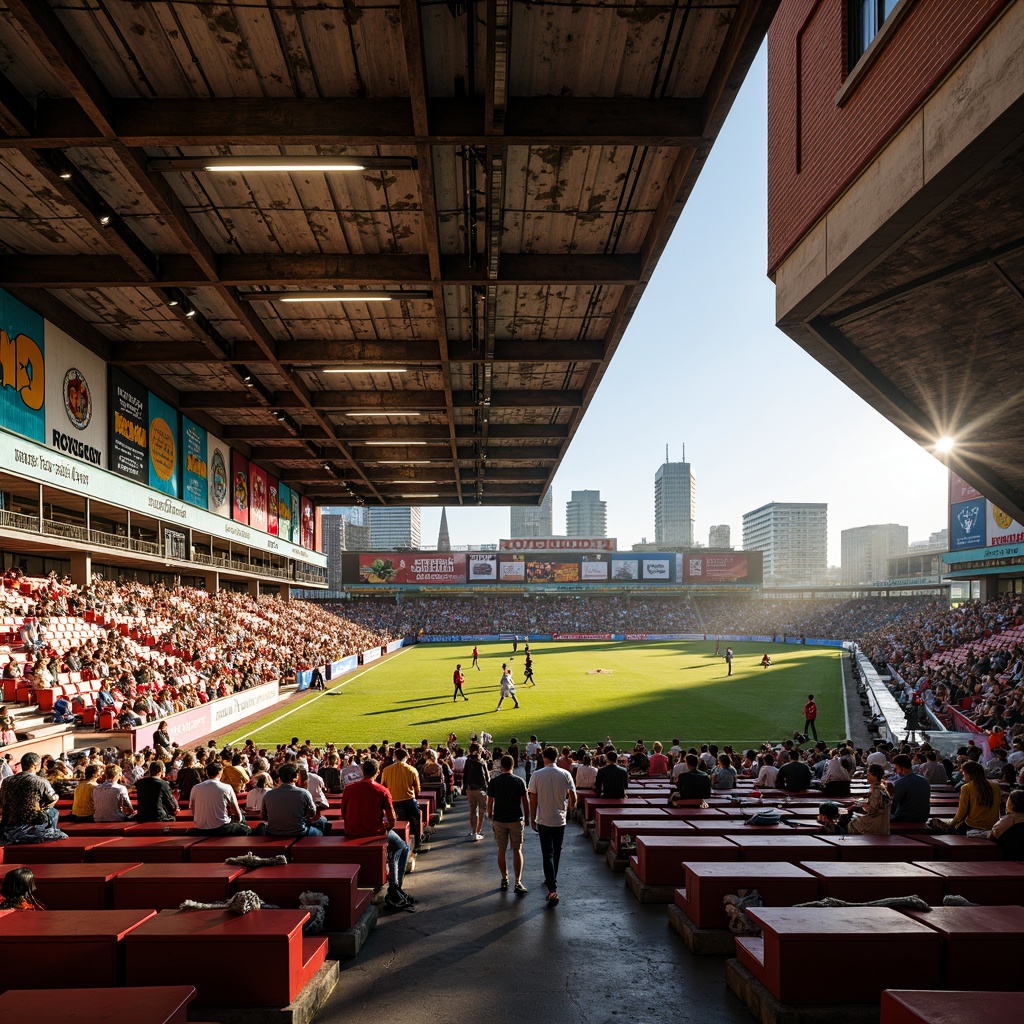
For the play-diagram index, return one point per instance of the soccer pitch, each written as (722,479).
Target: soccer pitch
(653,691)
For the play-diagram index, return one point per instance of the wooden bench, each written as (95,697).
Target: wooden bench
(659,859)
(795,847)
(167,886)
(74,886)
(805,953)
(902,1006)
(207,947)
(779,884)
(991,883)
(993,936)
(339,882)
(217,850)
(647,827)
(65,948)
(369,853)
(158,1004)
(863,882)
(76,850)
(881,849)
(964,848)
(604,816)
(146,849)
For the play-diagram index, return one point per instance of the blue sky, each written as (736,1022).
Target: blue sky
(702,364)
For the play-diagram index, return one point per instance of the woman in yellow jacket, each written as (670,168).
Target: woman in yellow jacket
(979,802)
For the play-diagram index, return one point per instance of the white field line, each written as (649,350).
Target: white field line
(301,706)
(846,703)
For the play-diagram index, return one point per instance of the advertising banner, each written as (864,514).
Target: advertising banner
(163,447)
(656,569)
(558,544)
(960,489)
(512,569)
(595,569)
(1001,528)
(284,513)
(296,517)
(308,534)
(552,572)
(625,570)
(483,568)
(581,636)
(318,529)
(129,427)
(239,488)
(725,568)
(22,369)
(76,399)
(272,510)
(219,460)
(430,568)
(967,525)
(196,467)
(257,498)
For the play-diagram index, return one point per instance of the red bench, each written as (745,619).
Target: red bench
(162,1004)
(146,849)
(901,1006)
(862,882)
(103,829)
(993,884)
(880,849)
(993,936)
(76,850)
(659,859)
(75,886)
(805,953)
(647,827)
(167,886)
(792,848)
(208,946)
(65,948)
(217,850)
(339,882)
(964,848)
(779,884)
(368,853)
(604,816)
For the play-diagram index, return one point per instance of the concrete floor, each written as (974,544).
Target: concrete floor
(472,952)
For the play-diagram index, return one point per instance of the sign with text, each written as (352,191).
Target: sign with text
(967,525)
(239,487)
(512,569)
(432,567)
(725,568)
(22,369)
(129,427)
(76,399)
(257,498)
(307,535)
(483,568)
(163,446)
(272,512)
(1001,528)
(960,489)
(195,464)
(557,544)
(219,459)
(656,568)
(284,513)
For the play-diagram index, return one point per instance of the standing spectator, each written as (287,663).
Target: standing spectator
(507,805)
(552,794)
(367,809)
(475,779)
(458,679)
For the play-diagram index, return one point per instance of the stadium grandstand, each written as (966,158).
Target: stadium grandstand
(190,189)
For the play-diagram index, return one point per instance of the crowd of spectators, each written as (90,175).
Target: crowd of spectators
(574,613)
(184,646)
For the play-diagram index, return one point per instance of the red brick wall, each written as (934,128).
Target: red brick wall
(816,148)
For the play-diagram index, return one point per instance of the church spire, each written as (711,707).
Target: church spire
(443,540)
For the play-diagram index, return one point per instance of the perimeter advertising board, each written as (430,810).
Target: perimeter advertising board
(22,369)
(76,399)
(433,568)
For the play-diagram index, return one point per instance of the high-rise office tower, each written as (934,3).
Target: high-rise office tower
(866,551)
(341,534)
(531,520)
(675,502)
(720,537)
(394,528)
(586,515)
(794,539)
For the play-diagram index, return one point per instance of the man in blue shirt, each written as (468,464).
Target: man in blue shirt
(911,794)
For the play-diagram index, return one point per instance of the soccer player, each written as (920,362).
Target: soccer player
(476,659)
(528,672)
(458,679)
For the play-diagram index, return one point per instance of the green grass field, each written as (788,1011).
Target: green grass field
(654,691)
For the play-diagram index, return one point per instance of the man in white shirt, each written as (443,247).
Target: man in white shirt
(215,808)
(316,787)
(110,799)
(766,776)
(552,795)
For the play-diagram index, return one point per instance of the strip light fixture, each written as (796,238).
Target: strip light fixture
(283,164)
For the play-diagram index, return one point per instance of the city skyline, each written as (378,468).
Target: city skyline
(703,360)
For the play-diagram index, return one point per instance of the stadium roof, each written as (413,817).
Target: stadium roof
(519,167)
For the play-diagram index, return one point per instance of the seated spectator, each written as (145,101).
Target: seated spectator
(585,773)
(794,776)
(234,773)
(979,803)
(872,814)
(289,811)
(724,775)
(835,779)
(82,806)
(658,761)
(692,784)
(1008,831)
(156,801)
(188,778)
(331,774)
(110,798)
(215,808)
(315,785)
(612,778)
(28,811)
(934,770)
(830,819)
(261,783)
(18,891)
(62,712)
(767,775)
(911,794)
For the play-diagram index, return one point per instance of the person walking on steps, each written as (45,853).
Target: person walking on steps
(552,795)
(508,687)
(507,805)
(458,679)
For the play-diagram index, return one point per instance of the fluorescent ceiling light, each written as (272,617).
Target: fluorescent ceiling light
(392,444)
(419,495)
(283,164)
(407,483)
(338,296)
(403,462)
(384,414)
(365,369)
